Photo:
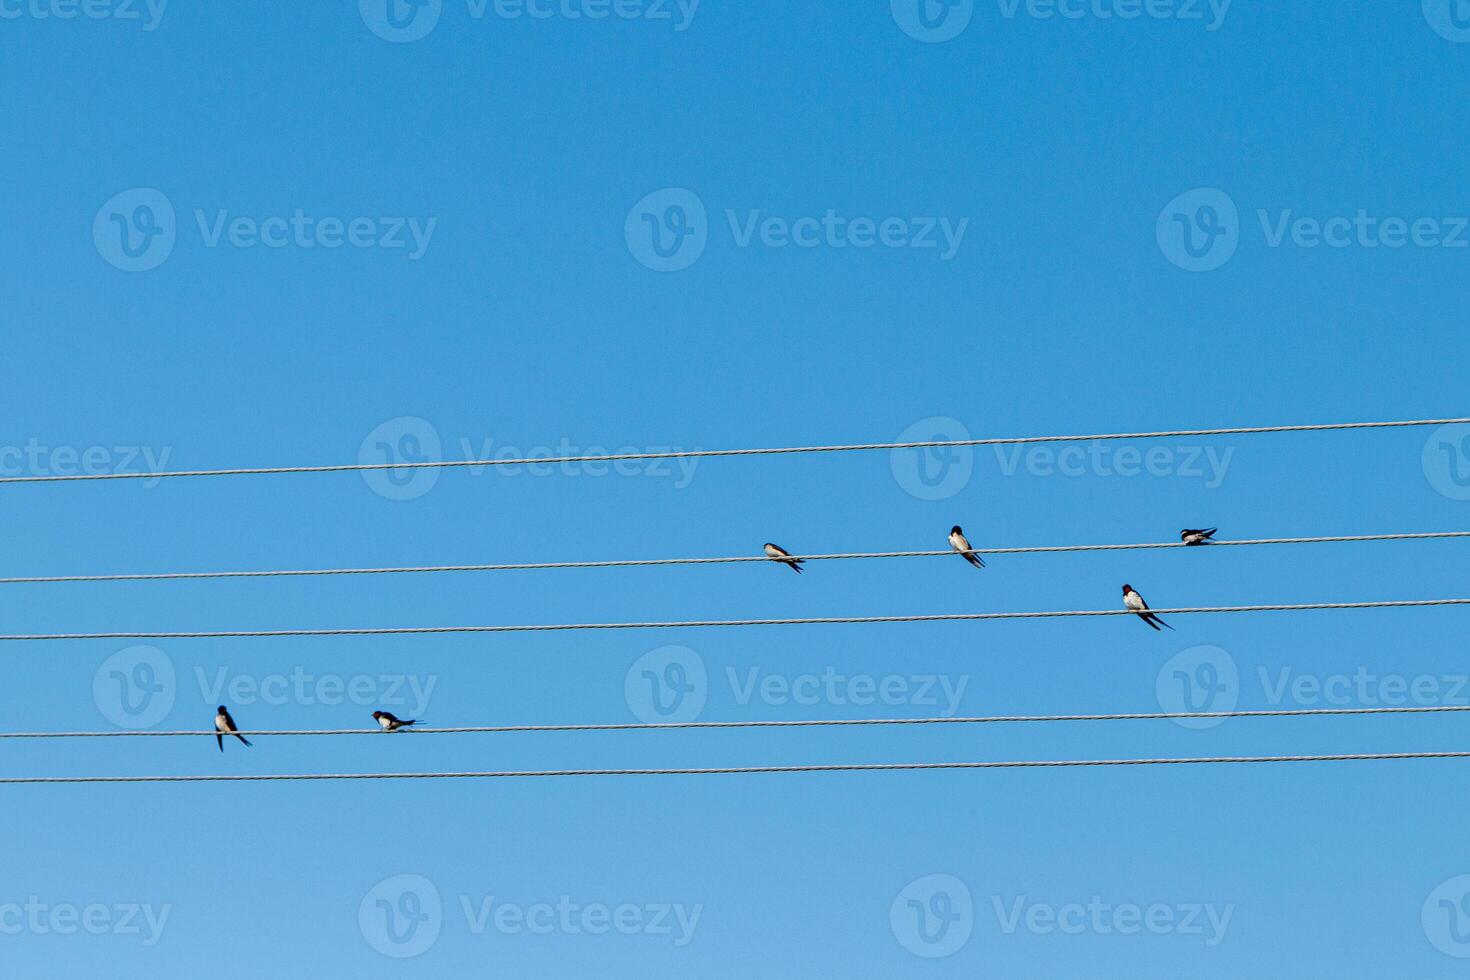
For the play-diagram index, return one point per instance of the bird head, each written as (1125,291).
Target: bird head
(222,710)
(377,715)
(956,530)
(1127,589)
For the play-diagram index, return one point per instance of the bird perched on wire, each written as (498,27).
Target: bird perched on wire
(777,553)
(389,723)
(960,543)
(1194,536)
(225,725)
(1132,600)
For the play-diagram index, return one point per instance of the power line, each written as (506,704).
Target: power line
(810,723)
(805,621)
(706,453)
(643,562)
(739,770)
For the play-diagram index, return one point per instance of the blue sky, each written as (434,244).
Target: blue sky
(349,234)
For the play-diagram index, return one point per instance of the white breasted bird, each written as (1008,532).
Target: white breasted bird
(777,553)
(225,725)
(960,543)
(389,723)
(1132,600)
(1195,536)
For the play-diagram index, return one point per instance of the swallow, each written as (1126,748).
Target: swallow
(1134,601)
(225,725)
(777,553)
(958,542)
(390,723)
(1193,536)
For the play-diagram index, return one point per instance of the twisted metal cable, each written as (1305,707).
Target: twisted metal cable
(704,623)
(799,723)
(738,770)
(644,562)
(706,453)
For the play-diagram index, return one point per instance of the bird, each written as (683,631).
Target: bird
(1194,536)
(960,543)
(391,724)
(777,553)
(225,725)
(1134,601)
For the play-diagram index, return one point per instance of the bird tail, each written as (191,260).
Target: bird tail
(1161,623)
(974,559)
(221,740)
(244,739)
(1211,532)
(795,566)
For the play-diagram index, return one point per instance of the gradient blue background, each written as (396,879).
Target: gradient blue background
(528,321)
